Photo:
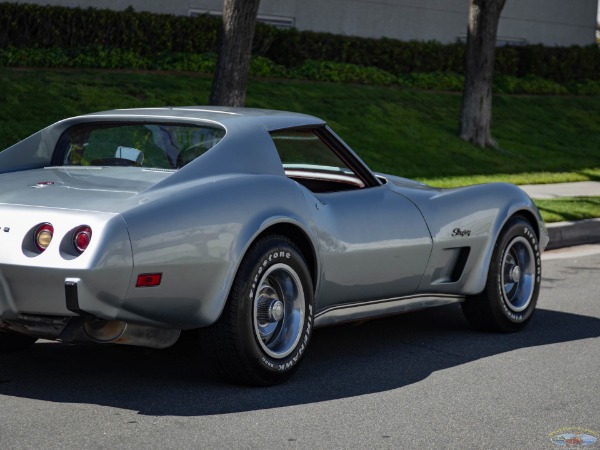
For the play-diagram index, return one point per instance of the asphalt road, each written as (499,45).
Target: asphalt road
(420,380)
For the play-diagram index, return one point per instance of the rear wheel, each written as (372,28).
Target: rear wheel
(265,328)
(513,282)
(13,342)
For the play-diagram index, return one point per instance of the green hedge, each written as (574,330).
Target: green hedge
(111,58)
(294,47)
(33,26)
(150,36)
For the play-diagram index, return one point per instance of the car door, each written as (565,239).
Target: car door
(373,242)
(374,245)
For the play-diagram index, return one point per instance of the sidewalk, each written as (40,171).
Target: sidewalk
(567,234)
(550,191)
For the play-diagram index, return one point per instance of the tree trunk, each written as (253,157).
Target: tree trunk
(476,110)
(235,48)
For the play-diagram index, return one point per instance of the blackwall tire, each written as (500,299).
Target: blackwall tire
(13,342)
(513,282)
(266,325)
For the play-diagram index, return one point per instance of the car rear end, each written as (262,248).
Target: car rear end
(46,250)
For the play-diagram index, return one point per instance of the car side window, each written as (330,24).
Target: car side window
(164,146)
(304,147)
(307,159)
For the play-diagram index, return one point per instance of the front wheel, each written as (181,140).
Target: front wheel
(265,327)
(13,342)
(513,282)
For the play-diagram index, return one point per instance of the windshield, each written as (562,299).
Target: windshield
(156,145)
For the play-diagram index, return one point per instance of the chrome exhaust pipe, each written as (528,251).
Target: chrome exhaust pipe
(118,332)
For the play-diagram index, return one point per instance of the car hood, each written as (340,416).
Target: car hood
(106,189)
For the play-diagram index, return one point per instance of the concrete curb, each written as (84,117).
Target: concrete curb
(568,234)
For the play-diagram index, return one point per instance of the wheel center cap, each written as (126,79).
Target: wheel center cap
(515,274)
(276,310)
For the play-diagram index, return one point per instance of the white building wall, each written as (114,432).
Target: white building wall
(556,22)
(549,22)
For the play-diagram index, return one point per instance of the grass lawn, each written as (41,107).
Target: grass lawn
(405,132)
(569,208)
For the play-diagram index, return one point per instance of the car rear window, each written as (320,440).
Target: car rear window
(156,145)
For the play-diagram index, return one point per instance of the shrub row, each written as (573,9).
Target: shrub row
(111,58)
(151,35)
(31,26)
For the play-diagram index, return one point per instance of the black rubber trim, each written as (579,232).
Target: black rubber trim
(72,298)
(461,262)
(342,151)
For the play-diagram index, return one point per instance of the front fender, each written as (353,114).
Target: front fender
(470,218)
(517,203)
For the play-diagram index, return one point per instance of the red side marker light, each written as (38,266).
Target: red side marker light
(81,238)
(148,279)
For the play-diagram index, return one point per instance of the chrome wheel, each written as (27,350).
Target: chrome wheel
(264,330)
(508,300)
(278,315)
(518,274)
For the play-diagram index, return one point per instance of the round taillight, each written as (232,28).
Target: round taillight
(81,238)
(43,236)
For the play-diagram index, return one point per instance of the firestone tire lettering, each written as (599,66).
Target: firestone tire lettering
(510,296)
(246,344)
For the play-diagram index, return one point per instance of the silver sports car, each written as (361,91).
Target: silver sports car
(252,227)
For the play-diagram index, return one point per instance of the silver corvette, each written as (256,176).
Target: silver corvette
(252,227)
